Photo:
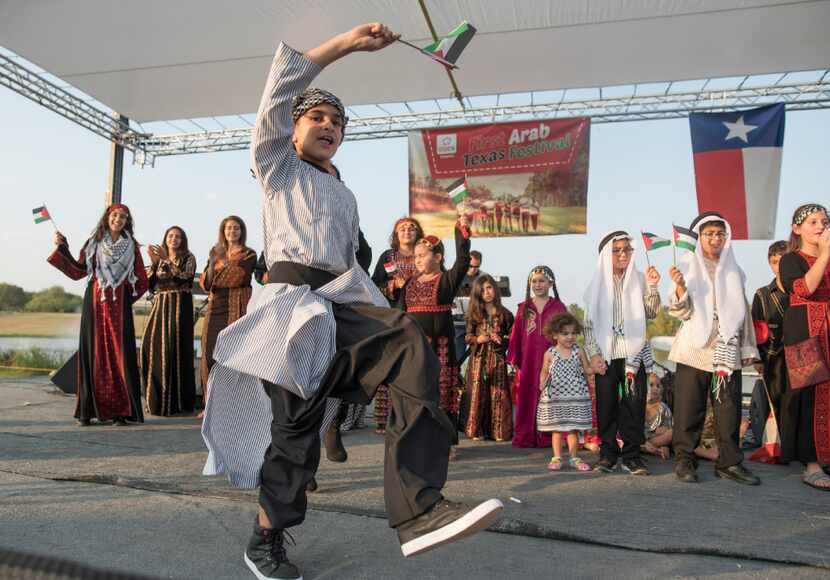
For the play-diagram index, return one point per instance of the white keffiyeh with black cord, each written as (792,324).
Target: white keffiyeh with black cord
(599,303)
(718,302)
(111,262)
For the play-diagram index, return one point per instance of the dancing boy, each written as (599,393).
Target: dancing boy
(321,328)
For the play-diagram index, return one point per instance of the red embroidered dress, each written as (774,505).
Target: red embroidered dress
(108,383)
(430,304)
(805,413)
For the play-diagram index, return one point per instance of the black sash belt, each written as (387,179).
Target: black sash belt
(298,274)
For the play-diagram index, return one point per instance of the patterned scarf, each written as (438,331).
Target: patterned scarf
(111,262)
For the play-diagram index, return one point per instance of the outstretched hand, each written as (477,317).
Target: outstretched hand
(370,37)
(60,239)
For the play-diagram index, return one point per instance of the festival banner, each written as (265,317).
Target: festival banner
(528,178)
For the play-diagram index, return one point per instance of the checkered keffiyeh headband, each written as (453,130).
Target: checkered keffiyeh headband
(807,211)
(312,97)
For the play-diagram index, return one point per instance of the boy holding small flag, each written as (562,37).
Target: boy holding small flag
(618,302)
(714,342)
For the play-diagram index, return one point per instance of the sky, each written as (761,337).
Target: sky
(640,177)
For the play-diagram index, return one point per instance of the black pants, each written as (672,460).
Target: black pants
(374,346)
(625,416)
(691,388)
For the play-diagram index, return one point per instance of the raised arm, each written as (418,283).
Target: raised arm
(273,157)
(651,298)
(62,259)
(456,274)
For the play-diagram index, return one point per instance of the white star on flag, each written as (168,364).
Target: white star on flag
(738,129)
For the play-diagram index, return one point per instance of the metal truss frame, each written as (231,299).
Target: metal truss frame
(35,86)
(660,102)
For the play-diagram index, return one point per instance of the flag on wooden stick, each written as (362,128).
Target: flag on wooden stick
(449,48)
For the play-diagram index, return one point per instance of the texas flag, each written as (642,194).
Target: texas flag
(738,167)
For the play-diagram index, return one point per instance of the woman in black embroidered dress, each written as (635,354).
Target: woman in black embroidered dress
(167,371)
(428,297)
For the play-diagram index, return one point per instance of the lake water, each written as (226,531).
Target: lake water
(61,344)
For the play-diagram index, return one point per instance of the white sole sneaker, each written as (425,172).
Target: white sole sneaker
(252,567)
(475,520)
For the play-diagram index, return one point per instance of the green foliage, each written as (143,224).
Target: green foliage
(54,299)
(663,324)
(13,297)
(35,358)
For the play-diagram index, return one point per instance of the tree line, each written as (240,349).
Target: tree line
(55,299)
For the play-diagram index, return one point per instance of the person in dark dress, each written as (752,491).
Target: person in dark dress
(768,306)
(490,414)
(108,383)
(805,275)
(167,372)
(428,297)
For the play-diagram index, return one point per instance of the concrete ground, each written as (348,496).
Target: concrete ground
(132,499)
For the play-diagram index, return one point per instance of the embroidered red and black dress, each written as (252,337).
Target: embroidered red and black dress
(805,413)
(227,279)
(391,263)
(490,407)
(167,360)
(108,385)
(430,304)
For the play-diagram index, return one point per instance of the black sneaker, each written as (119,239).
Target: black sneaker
(739,474)
(686,472)
(334,444)
(634,466)
(445,522)
(266,556)
(605,465)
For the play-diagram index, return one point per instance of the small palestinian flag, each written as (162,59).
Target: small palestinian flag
(684,238)
(654,242)
(390,267)
(770,449)
(41,214)
(458,190)
(449,48)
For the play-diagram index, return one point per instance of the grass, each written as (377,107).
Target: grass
(49,324)
(33,358)
(552,220)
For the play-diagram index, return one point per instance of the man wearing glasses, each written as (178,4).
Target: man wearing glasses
(618,302)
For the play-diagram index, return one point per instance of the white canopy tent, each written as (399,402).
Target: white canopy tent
(162,60)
